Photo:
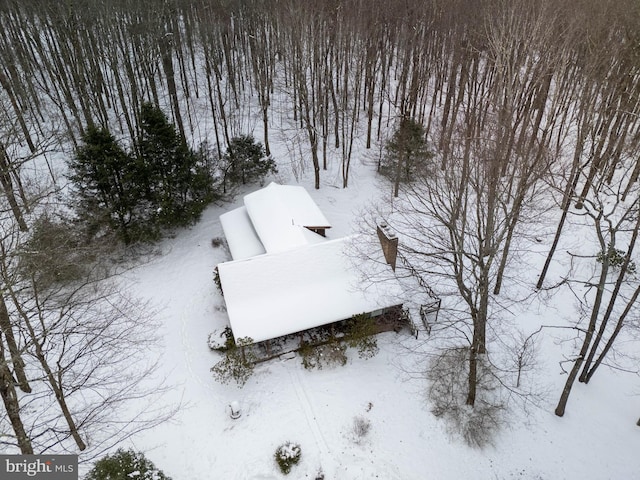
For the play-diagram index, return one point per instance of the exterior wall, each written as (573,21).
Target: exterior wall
(319,230)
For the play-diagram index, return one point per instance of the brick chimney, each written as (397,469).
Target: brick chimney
(389,243)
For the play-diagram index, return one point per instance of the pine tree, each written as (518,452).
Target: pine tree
(103,175)
(175,179)
(246,161)
(165,184)
(406,151)
(125,465)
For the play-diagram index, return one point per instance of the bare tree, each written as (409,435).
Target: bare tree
(15,352)
(83,342)
(301,66)
(611,219)
(11,403)
(457,223)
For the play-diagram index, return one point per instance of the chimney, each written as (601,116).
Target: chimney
(389,243)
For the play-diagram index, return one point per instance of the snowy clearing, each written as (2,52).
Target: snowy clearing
(283,402)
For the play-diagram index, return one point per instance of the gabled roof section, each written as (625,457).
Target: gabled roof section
(242,238)
(277,294)
(281,216)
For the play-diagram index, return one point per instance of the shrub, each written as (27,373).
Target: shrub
(221,341)
(238,363)
(125,465)
(287,455)
(360,428)
(217,242)
(447,391)
(616,259)
(329,355)
(361,330)
(216,279)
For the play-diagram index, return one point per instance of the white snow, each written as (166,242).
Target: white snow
(242,239)
(596,439)
(277,294)
(280,213)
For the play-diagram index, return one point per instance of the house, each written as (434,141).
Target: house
(286,276)
(273,219)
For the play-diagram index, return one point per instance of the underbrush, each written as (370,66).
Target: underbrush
(329,355)
(447,392)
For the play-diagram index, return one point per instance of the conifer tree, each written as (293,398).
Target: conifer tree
(103,175)
(246,161)
(164,184)
(124,465)
(406,151)
(174,179)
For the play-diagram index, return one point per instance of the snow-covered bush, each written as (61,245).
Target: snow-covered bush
(329,355)
(125,465)
(221,340)
(287,455)
(238,363)
(361,330)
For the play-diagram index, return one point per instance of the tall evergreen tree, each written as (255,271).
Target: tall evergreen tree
(164,184)
(246,161)
(174,179)
(406,151)
(104,175)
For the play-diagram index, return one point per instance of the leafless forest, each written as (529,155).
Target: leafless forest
(559,76)
(514,96)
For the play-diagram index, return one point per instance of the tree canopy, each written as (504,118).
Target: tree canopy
(162,183)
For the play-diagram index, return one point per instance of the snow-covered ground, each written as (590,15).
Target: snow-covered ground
(596,439)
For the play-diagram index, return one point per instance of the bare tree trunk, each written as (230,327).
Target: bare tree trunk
(167,66)
(566,205)
(472,379)
(399,167)
(7,186)
(614,334)
(566,391)
(18,111)
(14,351)
(12,405)
(308,108)
(585,376)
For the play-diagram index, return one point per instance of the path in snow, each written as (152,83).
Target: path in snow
(326,455)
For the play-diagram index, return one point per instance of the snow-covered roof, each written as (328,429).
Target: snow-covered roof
(280,213)
(242,238)
(271,295)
